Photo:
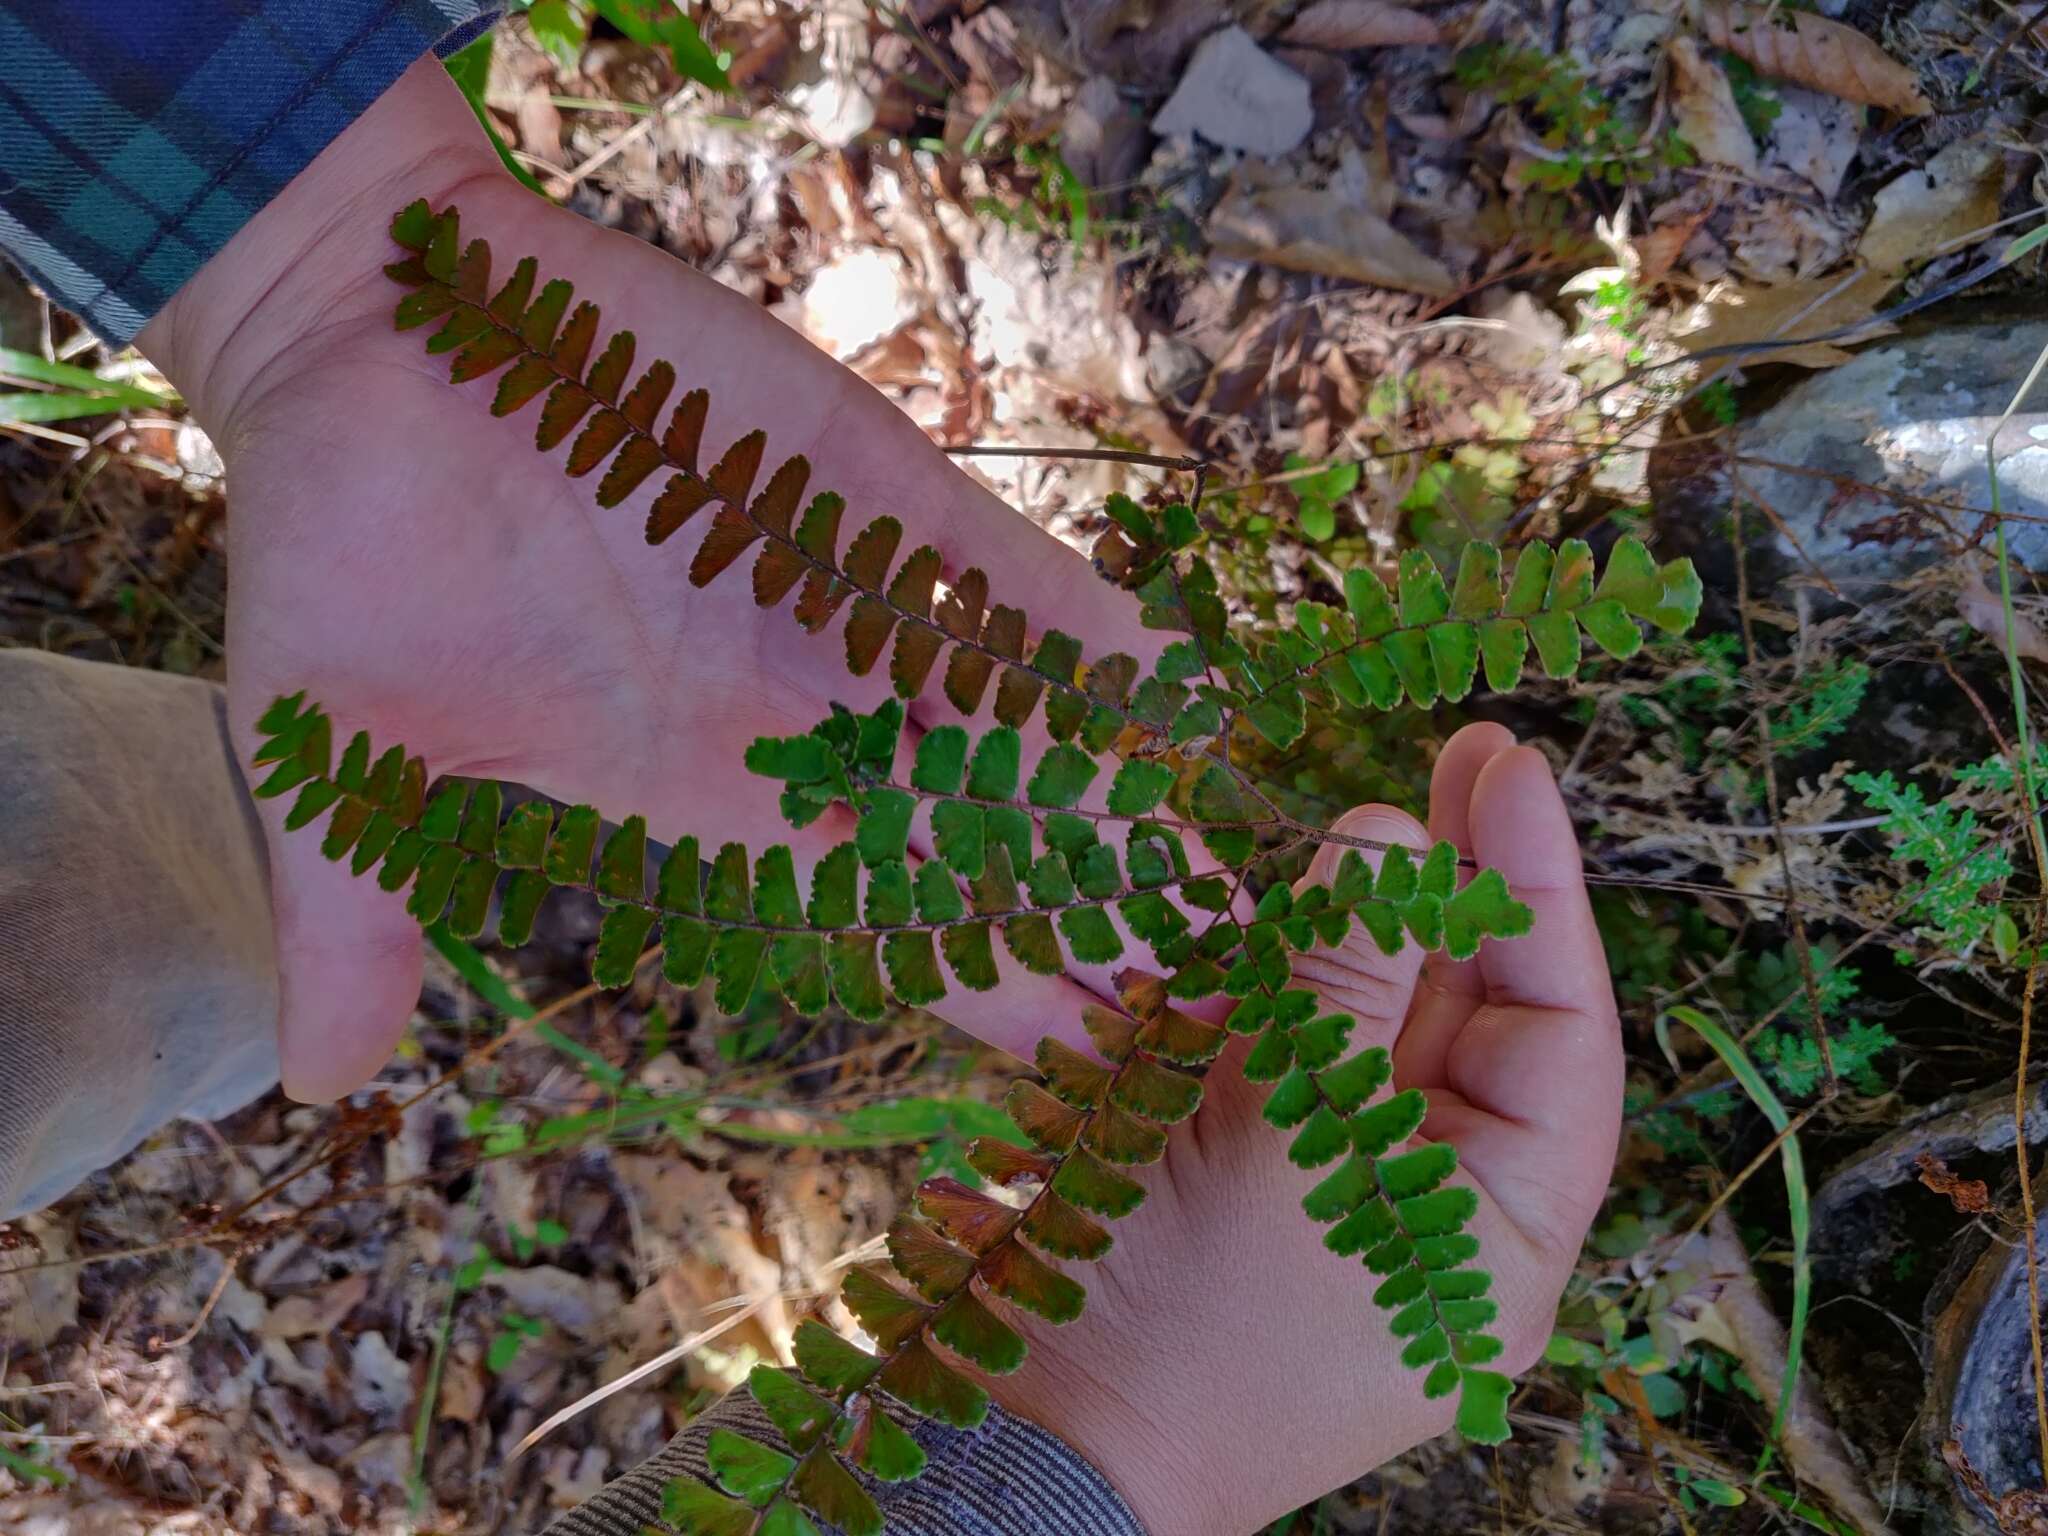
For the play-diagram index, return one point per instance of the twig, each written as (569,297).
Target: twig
(1977,77)
(2023,761)
(1790,829)
(670,1356)
(1107,455)
(220,1286)
(1816,1015)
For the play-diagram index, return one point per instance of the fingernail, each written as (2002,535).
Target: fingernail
(1381,824)
(1372,824)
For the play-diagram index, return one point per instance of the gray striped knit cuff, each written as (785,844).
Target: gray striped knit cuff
(1007,1478)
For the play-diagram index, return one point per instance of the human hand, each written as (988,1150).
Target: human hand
(1228,1367)
(414,564)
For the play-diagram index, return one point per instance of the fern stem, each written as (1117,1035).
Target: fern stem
(1279,821)
(847,1398)
(833,569)
(1379,1196)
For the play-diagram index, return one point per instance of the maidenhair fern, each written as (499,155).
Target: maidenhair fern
(1057,859)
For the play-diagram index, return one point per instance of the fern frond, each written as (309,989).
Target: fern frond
(1396,1209)
(869,929)
(541,350)
(962,1261)
(1427,640)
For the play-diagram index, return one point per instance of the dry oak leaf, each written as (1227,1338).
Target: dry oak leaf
(1703,104)
(317,1311)
(1361,24)
(1917,214)
(1324,231)
(1812,51)
(1984,611)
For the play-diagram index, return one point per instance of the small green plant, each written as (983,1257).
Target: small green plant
(545,1233)
(562,28)
(25,1464)
(500,1131)
(947,1127)
(1468,491)
(1018,859)
(1318,491)
(1707,695)
(1717,402)
(1590,138)
(1755,97)
(514,1329)
(1696,1488)
(1620,1346)
(1623,306)
(1045,196)
(1952,901)
(1774,980)
(1826,697)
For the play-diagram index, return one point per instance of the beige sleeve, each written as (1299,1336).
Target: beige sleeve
(137,981)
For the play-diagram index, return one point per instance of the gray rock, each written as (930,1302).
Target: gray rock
(1911,415)
(1239,96)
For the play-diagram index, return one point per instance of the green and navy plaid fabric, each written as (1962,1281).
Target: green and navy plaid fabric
(136,136)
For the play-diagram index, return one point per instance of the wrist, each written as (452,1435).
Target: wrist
(307,268)
(1159,1470)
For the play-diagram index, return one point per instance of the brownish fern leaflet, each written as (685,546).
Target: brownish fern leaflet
(1017,858)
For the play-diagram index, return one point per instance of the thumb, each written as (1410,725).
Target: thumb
(349,966)
(1358,977)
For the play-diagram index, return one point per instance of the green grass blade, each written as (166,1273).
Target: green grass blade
(40,408)
(29,368)
(1738,1062)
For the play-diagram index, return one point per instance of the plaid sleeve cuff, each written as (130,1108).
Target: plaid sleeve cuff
(135,141)
(1007,1478)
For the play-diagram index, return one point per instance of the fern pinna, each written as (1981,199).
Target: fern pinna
(1057,866)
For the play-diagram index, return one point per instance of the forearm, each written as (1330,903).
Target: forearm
(1007,1478)
(137,980)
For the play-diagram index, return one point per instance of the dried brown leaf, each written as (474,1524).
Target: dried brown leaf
(1236,94)
(318,1311)
(1918,213)
(1322,230)
(1812,51)
(1984,611)
(1703,104)
(1361,24)
(1971,1197)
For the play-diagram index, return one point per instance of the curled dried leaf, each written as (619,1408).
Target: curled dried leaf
(1812,51)
(1361,24)
(1703,103)
(1323,230)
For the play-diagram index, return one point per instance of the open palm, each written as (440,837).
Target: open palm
(1229,1367)
(414,564)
